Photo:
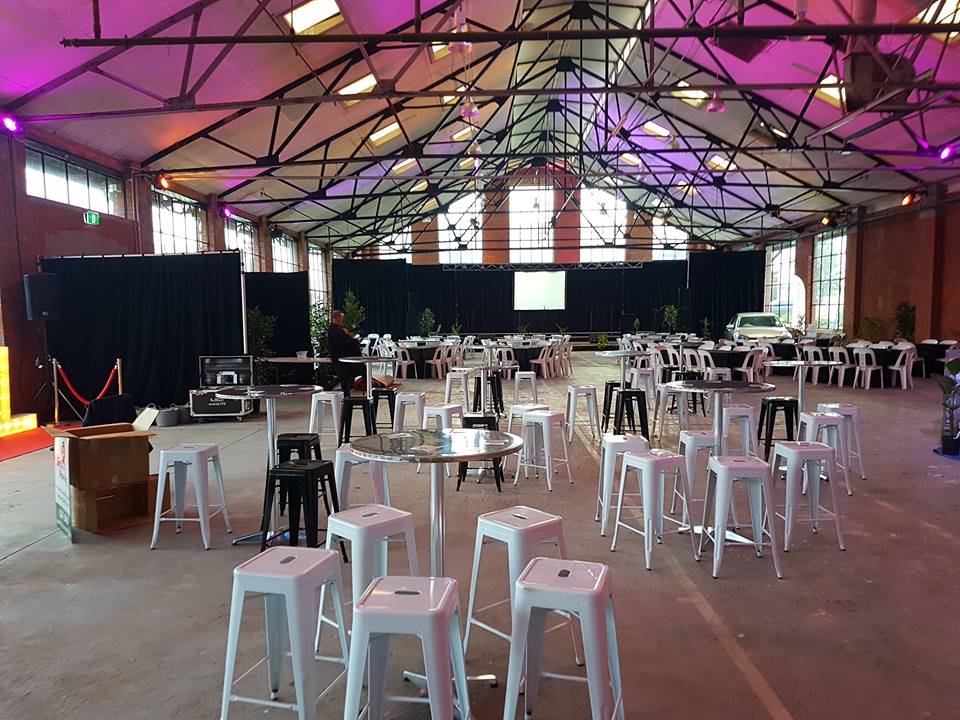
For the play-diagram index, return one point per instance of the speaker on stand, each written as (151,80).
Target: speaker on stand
(42,295)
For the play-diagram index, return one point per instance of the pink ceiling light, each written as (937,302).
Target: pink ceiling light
(10,123)
(715,104)
(226,212)
(946,153)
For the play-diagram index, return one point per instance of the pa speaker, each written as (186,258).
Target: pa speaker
(42,291)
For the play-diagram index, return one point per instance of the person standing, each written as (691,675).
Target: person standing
(342,344)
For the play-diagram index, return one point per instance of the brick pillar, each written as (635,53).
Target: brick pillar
(215,234)
(266,245)
(425,247)
(641,233)
(496,227)
(566,231)
(303,253)
(140,210)
(803,269)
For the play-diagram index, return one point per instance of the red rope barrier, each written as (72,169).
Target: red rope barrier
(81,398)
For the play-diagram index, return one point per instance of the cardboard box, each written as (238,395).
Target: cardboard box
(102,510)
(101,456)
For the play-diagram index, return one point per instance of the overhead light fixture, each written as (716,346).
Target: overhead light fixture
(631,159)
(946,153)
(10,123)
(164,182)
(694,98)
(828,221)
(402,166)
(469,109)
(718,162)
(314,16)
(387,132)
(652,128)
(716,104)
(774,130)
(226,212)
(908,199)
(420,186)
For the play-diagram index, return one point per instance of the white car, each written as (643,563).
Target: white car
(756,326)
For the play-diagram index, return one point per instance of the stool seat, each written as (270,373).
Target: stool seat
(573,576)
(798,456)
(318,402)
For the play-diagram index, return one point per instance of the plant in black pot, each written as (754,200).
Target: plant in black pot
(319,339)
(428,321)
(950,405)
(260,329)
(354,313)
(906,318)
(670,315)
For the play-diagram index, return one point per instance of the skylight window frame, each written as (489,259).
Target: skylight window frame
(946,15)
(693,98)
(722,164)
(829,93)
(320,26)
(656,130)
(368,81)
(384,134)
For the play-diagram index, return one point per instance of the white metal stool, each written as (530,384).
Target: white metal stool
(690,445)
(423,606)
(318,402)
(651,468)
(722,472)
(518,411)
(852,432)
(344,462)
(455,376)
(799,457)
(417,400)
(180,459)
(522,529)
(525,376)
(660,409)
(611,447)
(746,417)
(288,578)
(832,428)
(590,393)
(537,432)
(723,373)
(583,589)
(443,414)
(642,378)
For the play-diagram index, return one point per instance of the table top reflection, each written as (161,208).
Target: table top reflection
(431,446)
(802,363)
(705,386)
(256,392)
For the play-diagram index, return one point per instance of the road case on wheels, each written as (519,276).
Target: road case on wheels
(218,372)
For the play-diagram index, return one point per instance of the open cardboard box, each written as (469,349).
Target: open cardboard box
(102,455)
(104,510)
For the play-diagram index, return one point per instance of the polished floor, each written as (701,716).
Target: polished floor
(108,628)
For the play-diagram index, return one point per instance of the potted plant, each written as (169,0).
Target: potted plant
(705,328)
(636,325)
(905,317)
(873,328)
(523,329)
(602,341)
(320,339)
(950,405)
(456,328)
(260,329)
(427,322)
(670,316)
(353,312)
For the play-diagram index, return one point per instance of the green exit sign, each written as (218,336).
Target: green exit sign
(91,218)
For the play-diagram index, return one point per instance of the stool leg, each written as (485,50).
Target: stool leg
(594,417)
(359,649)
(818,469)
(648,498)
(314,408)
(458,659)
(547,433)
(233,640)
(843,451)
(218,475)
(345,427)
(856,434)
(180,491)
(436,660)
(411,543)
(515,668)
(534,664)
(708,498)
(562,554)
(336,411)
(571,414)
(616,520)
(381,486)
(368,423)
(607,468)
(642,412)
(768,503)
(794,483)
(533,383)
(275,611)
(474,576)
(301,614)
(566,455)
(755,500)
(379,652)
(295,493)
(398,418)
(201,488)
(721,510)
(158,508)
(768,431)
(613,658)
(597,652)
(836,508)
(268,496)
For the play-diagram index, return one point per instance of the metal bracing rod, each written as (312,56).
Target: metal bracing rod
(508,37)
(632,90)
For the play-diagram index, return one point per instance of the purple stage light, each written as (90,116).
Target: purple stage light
(946,153)
(226,212)
(10,123)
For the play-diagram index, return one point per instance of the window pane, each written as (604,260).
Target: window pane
(55,179)
(115,199)
(35,174)
(460,234)
(531,224)
(603,219)
(98,192)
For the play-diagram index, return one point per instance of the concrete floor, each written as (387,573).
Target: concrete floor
(108,628)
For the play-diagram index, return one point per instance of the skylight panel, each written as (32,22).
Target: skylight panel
(694,98)
(384,134)
(828,92)
(402,166)
(358,87)
(718,162)
(420,186)
(632,159)
(941,14)
(450,99)
(314,17)
(686,189)
(652,128)
(462,133)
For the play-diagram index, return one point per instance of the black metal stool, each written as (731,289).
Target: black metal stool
(306,445)
(689,376)
(487,422)
(303,482)
(626,399)
(609,388)
(391,396)
(768,411)
(350,404)
(495,381)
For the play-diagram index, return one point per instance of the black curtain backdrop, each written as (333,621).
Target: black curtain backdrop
(285,296)
(598,300)
(723,284)
(157,313)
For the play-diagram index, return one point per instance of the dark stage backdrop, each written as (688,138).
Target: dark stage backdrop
(158,313)
(598,300)
(286,296)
